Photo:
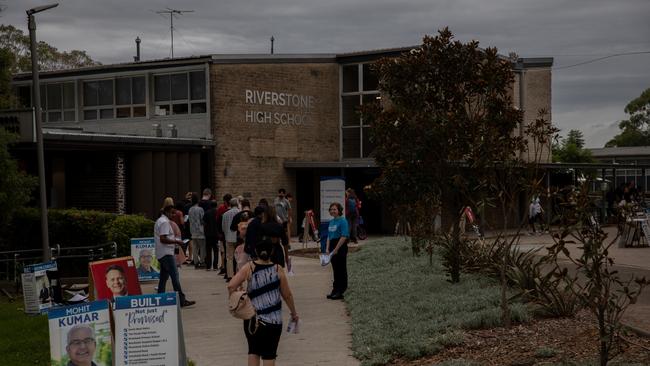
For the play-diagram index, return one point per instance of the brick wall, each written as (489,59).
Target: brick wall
(253,139)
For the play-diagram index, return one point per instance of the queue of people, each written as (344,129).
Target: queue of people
(249,246)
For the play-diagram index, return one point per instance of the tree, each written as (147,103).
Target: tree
(571,149)
(448,111)
(15,186)
(600,287)
(50,58)
(635,131)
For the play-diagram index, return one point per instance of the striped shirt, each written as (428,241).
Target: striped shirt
(264,292)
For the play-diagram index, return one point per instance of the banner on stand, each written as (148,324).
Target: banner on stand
(39,286)
(81,335)
(113,278)
(143,251)
(148,330)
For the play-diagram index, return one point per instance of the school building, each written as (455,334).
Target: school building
(121,137)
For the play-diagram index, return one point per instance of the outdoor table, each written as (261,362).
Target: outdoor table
(635,233)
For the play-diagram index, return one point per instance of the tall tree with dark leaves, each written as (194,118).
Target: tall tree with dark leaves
(635,131)
(50,58)
(447,110)
(572,150)
(15,186)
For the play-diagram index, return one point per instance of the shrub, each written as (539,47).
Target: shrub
(68,228)
(125,227)
(76,228)
(545,352)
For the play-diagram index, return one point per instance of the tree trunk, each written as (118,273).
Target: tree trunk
(454,269)
(602,332)
(505,308)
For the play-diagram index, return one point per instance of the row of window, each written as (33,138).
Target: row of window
(121,97)
(359,86)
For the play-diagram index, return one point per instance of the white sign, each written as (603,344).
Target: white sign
(81,334)
(148,330)
(332,189)
(301,106)
(143,251)
(38,288)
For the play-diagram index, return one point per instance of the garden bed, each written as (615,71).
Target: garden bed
(405,312)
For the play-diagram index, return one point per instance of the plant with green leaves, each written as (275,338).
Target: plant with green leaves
(572,149)
(635,131)
(16,187)
(598,285)
(49,57)
(447,110)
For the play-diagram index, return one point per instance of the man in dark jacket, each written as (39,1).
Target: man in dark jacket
(253,234)
(211,235)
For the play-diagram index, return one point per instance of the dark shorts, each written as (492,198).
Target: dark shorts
(264,342)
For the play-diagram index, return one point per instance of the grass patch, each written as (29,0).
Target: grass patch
(402,307)
(24,339)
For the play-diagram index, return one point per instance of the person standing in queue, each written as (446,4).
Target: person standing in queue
(337,247)
(267,286)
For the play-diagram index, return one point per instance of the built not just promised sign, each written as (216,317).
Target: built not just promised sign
(296,111)
(148,330)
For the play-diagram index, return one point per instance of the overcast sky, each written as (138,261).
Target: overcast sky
(589,97)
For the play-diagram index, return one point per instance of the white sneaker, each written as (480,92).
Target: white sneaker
(291,273)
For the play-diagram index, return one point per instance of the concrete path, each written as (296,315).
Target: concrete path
(214,337)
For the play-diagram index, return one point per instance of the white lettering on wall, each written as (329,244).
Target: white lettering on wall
(270,98)
(120,179)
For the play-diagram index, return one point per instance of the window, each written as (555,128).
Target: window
(98,99)
(122,97)
(181,93)
(57,101)
(130,97)
(360,85)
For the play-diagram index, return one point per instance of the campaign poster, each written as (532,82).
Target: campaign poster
(112,278)
(143,251)
(148,330)
(38,287)
(81,335)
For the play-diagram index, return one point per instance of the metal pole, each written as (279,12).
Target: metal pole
(171,28)
(36,92)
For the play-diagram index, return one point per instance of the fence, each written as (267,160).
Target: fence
(13,262)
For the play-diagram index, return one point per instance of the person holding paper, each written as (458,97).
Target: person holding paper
(81,345)
(337,249)
(267,287)
(166,242)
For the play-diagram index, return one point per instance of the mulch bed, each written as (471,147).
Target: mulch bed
(542,342)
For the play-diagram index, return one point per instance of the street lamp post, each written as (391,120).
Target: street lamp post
(36,93)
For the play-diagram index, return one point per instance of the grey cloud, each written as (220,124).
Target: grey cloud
(106,29)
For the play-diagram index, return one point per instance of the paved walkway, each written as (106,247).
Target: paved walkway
(214,337)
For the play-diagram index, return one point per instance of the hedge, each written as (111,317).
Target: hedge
(125,227)
(74,228)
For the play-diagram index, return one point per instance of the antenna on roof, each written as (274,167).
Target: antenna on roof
(172,13)
(272,40)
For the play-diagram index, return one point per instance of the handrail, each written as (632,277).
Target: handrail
(13,261)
